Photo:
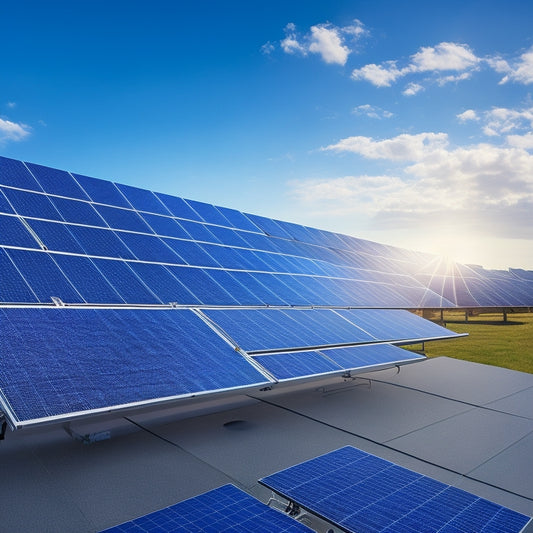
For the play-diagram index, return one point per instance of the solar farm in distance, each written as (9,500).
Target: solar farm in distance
(116,299)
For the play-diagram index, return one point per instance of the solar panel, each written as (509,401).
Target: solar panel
(225,509)
(360,492)
(135,357)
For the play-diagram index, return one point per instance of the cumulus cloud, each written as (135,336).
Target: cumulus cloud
(469,183)
(457,59)
(372,111)
(332,43)
(501,120)
(467,115)
(404,147)
(12,131)
(521,71)
(521,141)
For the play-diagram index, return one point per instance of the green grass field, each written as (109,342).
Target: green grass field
(491,341)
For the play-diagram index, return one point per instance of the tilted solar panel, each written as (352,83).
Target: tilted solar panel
(225,509)
(359,492)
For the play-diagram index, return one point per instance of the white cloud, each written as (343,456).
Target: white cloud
(327,41)
(331,43)
(379,75)
(443,56)
(501,120)
(467,115)
(489,187)
(11,131)
(521,141)
(412,89)
(267,48)
(404,147)
(521,71)
(372,111)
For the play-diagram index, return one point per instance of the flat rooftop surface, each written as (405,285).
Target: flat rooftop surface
(465,424)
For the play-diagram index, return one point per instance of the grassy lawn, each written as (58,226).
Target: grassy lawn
(491,341)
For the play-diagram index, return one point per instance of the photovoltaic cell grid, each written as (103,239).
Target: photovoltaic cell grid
(362,493)
(57,362)
(225,509)
(97,218)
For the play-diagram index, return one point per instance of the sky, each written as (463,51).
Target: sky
(404,122)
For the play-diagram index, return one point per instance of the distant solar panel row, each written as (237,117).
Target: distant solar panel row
(52,210)
(362,493)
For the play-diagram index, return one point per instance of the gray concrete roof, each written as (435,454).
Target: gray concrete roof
(465,424)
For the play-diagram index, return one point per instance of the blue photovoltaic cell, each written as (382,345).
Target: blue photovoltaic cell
(227,236)
(13,288)
(238,220)
(118,218)
(77,212)
(163,284)
(360,492)
(50,370)
(149,248)
(165,226)
(100,242)
(15,174)
(59,182)
(102,191)
(198,231)
(129,286)
(269,226)
(178,207)
(260,291)
(354,357)
(44,276)
(275,329)
(394,324)
(234,287)
(55,236)
(226,509)
(32,204)
(297,364)
(191,253)
(87,279)
(142,200)
(14,233)
(5,207)
(209,213)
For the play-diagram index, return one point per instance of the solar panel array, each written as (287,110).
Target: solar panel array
(362,493)
(114,296)
(225,509)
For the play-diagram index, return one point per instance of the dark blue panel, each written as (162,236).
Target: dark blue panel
(297,364)
(226,509)
(121,277)
(15,174)
(209,213)
(87,279)
(191,253)
(178,207)
(77,212)
(258,241)
(162,283)
(361,492)
(58,182)
(354,357)
(143,200)
(259,290)
(44,276)
(238,220)
(198,231)
(205,288)
(49,369)
(276,284)
(149,248)
(269,226)
(395,324)
(13,288)
(5,206)
(225,256)
(274,329)
(229,237)
(31,204)
(306,287)
(14,233)
(100,242)
(165,226)
(239,291)
(102,191)
(55,236)
(118,218)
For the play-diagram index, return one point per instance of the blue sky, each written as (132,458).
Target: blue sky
(407,123)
